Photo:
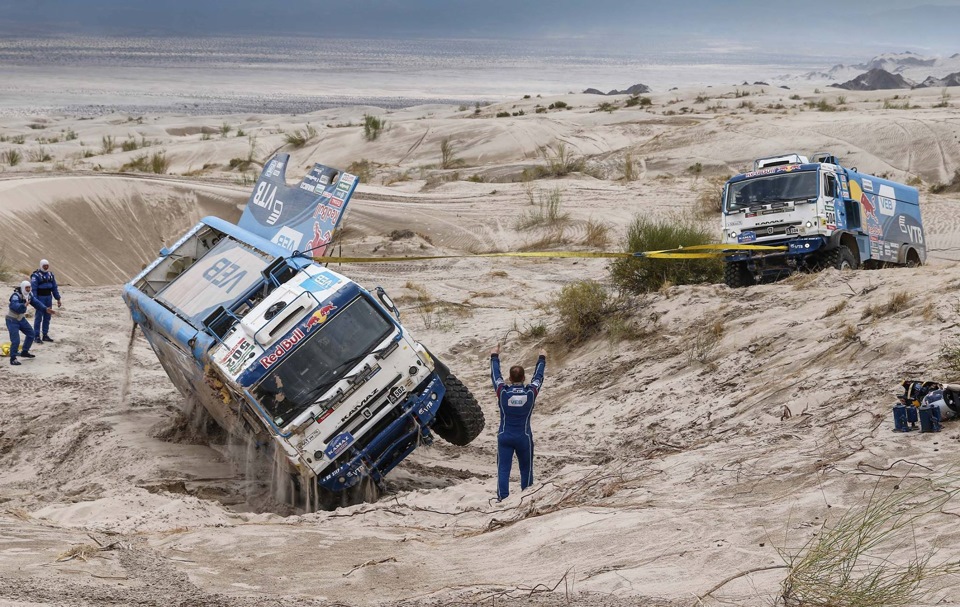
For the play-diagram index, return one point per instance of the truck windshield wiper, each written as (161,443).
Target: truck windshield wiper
(344,365)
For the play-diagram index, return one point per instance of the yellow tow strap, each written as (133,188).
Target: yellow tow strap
(702,251)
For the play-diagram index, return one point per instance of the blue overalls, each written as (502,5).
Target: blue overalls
(514,436)
(17,322)
(44,286)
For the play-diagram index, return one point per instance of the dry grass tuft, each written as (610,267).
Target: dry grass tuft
(704,340)
(547,213)
(82,552)
(856,561)
(801,281)
(838,307)
(850,333)
(598,234)
(553,238)
(897,302)
(710,196)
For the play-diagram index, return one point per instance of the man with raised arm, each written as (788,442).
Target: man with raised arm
(515,401)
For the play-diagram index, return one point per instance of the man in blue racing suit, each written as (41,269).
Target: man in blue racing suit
(16,319)
(516,402)
(44,286)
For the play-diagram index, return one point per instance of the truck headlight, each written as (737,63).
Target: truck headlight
(809,224)
(732,233)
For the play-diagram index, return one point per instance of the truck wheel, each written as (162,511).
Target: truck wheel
(840,258)
(736,275)
(460,418)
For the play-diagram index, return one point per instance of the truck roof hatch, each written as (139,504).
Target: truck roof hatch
(773,161)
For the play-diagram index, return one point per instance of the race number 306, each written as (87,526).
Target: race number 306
(224,274)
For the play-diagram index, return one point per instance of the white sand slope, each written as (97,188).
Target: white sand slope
(662,469)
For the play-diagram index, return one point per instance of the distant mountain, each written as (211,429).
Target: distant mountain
(948,80)
(910,65)
(636,89)
(875,80)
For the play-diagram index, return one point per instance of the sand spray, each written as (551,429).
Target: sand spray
(127,368)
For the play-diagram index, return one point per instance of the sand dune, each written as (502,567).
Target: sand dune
(661,471)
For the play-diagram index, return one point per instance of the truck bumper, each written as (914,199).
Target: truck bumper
(390,444)
(797,250)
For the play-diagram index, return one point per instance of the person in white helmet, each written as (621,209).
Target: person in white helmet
(45,290)
(16,318)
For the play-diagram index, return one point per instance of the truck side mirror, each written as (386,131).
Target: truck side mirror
(387,302)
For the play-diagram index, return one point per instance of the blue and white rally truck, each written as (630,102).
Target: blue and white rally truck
(825,214)
(314,369)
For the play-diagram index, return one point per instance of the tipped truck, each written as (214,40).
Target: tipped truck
(313,368)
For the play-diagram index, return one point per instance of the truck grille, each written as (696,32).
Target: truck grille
(780,229)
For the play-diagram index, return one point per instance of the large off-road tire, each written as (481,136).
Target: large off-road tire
(840,258)
(460,418)
(737,275)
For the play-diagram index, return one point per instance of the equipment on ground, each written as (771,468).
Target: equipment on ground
(926,402)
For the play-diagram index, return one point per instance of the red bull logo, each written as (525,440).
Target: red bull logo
(319,317)
(325,212)
(282,348)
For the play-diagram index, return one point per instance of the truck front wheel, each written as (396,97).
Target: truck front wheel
(460,418)
(736,275)
(840,258)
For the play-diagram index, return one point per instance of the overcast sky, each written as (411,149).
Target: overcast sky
(844,27)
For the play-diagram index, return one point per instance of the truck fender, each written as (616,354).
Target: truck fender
(441,369)
(908,254)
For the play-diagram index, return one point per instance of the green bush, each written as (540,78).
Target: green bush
(372,127)
(642,275)
(364,169)
(582,307)
(300,137)
(12,157)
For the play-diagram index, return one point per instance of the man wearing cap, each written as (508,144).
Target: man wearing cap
(45,290)
(17,320)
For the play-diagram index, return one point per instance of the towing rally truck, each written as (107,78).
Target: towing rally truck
(825,215)
(279,349)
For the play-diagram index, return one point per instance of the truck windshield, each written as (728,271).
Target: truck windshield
(772,188)
(328,354)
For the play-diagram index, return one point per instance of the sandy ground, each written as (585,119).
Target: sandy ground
(662,470)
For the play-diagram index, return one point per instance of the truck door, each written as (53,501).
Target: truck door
(831,199)
(851,211)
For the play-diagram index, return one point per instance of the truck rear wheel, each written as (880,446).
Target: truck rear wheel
(460,418)
(736,275)
(840,258)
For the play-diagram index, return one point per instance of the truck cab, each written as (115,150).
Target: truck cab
(822,213)
(298,359)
